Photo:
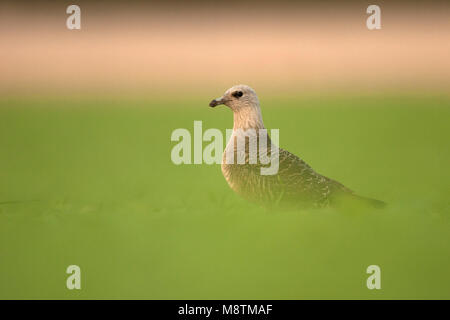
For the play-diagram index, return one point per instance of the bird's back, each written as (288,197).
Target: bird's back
(295,183)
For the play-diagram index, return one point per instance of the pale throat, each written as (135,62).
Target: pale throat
(248,118)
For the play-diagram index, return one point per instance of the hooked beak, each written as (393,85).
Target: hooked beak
(216,102)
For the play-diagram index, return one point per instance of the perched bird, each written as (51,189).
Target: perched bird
(295,183)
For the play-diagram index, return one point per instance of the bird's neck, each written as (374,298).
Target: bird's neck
(248,118)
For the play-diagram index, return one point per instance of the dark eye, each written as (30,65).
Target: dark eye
(237,94)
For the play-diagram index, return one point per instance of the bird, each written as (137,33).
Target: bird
(295,183)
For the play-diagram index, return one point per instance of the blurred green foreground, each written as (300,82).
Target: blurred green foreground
(90,182)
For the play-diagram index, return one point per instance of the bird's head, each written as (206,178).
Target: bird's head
(245,105)
(237,98)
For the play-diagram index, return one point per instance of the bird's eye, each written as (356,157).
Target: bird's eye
(237,94)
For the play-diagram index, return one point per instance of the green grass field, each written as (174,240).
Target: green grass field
(90,182)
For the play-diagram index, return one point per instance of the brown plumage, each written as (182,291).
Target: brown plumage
(295,183)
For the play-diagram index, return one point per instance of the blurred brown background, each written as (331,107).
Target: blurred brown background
(284,47)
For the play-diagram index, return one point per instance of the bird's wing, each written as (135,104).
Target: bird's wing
(300,180)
